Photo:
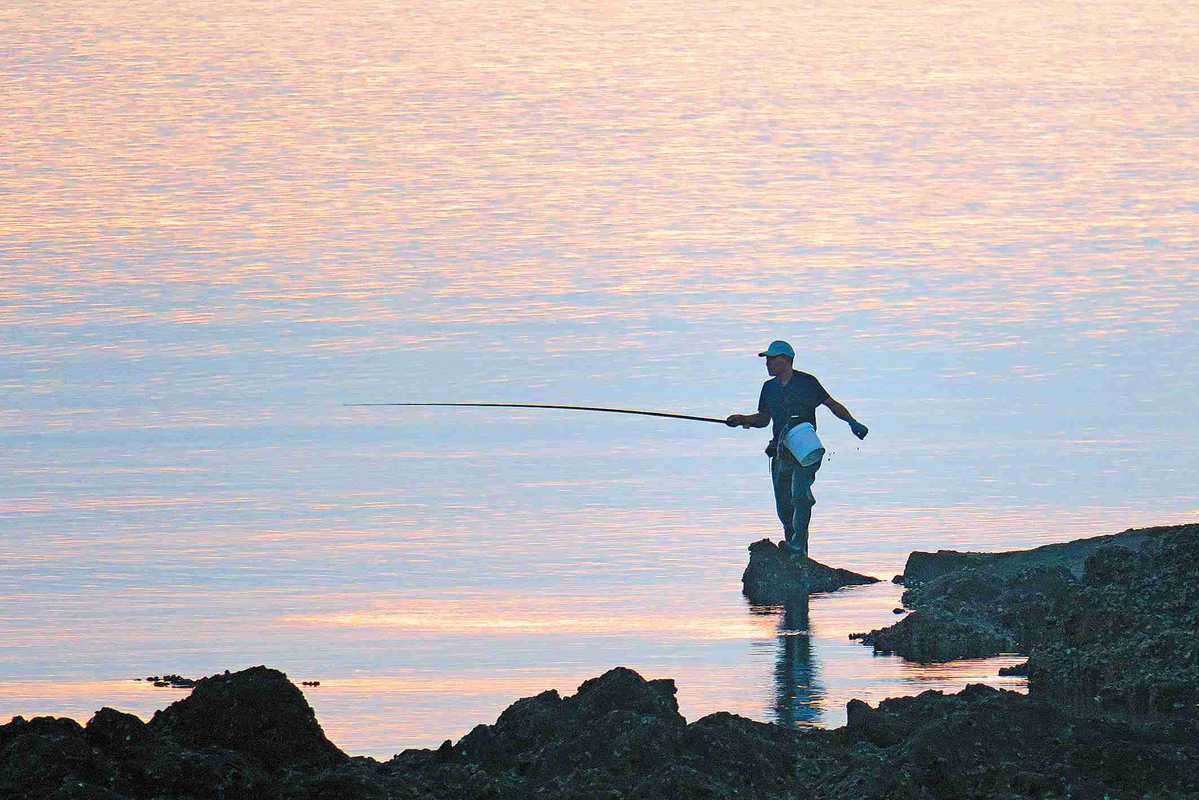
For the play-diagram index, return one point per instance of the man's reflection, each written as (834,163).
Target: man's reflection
(796,693)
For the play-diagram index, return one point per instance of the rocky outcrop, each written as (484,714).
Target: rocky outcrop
(1120,635)
(238,735)
(987,743)
(256,712)
(1128,637)
(621,736)
(772,576)
(922,567)
(974,613)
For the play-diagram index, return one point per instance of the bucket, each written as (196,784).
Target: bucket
(803,443)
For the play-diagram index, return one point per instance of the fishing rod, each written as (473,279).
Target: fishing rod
(542,405)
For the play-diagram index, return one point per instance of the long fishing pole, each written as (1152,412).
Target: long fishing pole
(563,408)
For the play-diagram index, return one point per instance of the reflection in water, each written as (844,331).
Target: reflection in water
(798,696)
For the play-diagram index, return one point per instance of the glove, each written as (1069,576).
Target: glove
(772,449)
(859,430)
(734,420)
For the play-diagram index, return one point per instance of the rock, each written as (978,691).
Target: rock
(741,756)
(772,576)
(620,736)
(116,732)
(928,638)
(38,755)
(1108,622)
(618,695)
(256,712)
(1125,639)
(922,567)
(856,714)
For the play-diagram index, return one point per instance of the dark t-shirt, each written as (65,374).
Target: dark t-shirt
(799,399)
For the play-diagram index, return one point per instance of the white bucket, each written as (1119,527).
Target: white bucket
(804,444)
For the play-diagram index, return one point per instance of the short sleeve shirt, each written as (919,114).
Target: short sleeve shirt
(798,399)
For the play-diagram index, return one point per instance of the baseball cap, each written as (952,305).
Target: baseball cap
(778,348)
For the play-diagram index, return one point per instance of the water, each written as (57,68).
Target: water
(977,224)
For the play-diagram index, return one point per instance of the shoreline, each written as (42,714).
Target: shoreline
(379,715)
(1101,717)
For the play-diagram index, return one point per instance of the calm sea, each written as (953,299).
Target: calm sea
(977,222)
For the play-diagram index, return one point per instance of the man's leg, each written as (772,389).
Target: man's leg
(781,474)
(802,500)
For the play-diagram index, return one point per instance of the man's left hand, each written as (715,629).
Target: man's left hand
(859,430)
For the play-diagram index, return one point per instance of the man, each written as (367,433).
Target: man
(790,398)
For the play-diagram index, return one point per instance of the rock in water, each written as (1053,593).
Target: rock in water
(773,576)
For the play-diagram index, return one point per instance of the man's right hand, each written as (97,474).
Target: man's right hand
(734,420)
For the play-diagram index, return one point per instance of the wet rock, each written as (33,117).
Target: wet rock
(927,638)
(172,681)
(975,613)
(772,576)
(970,613)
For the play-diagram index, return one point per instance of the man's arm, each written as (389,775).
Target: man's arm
(759,420)
(841,412)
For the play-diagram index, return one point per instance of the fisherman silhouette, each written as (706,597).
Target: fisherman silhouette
(789,399)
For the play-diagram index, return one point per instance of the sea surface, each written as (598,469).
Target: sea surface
(221,222)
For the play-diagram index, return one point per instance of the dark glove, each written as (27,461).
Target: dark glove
(859,430)
(734,420)
(772,449)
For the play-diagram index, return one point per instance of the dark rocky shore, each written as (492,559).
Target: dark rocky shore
(1109,622)
(1111,712)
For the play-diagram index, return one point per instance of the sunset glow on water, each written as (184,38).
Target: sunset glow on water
(977,222)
